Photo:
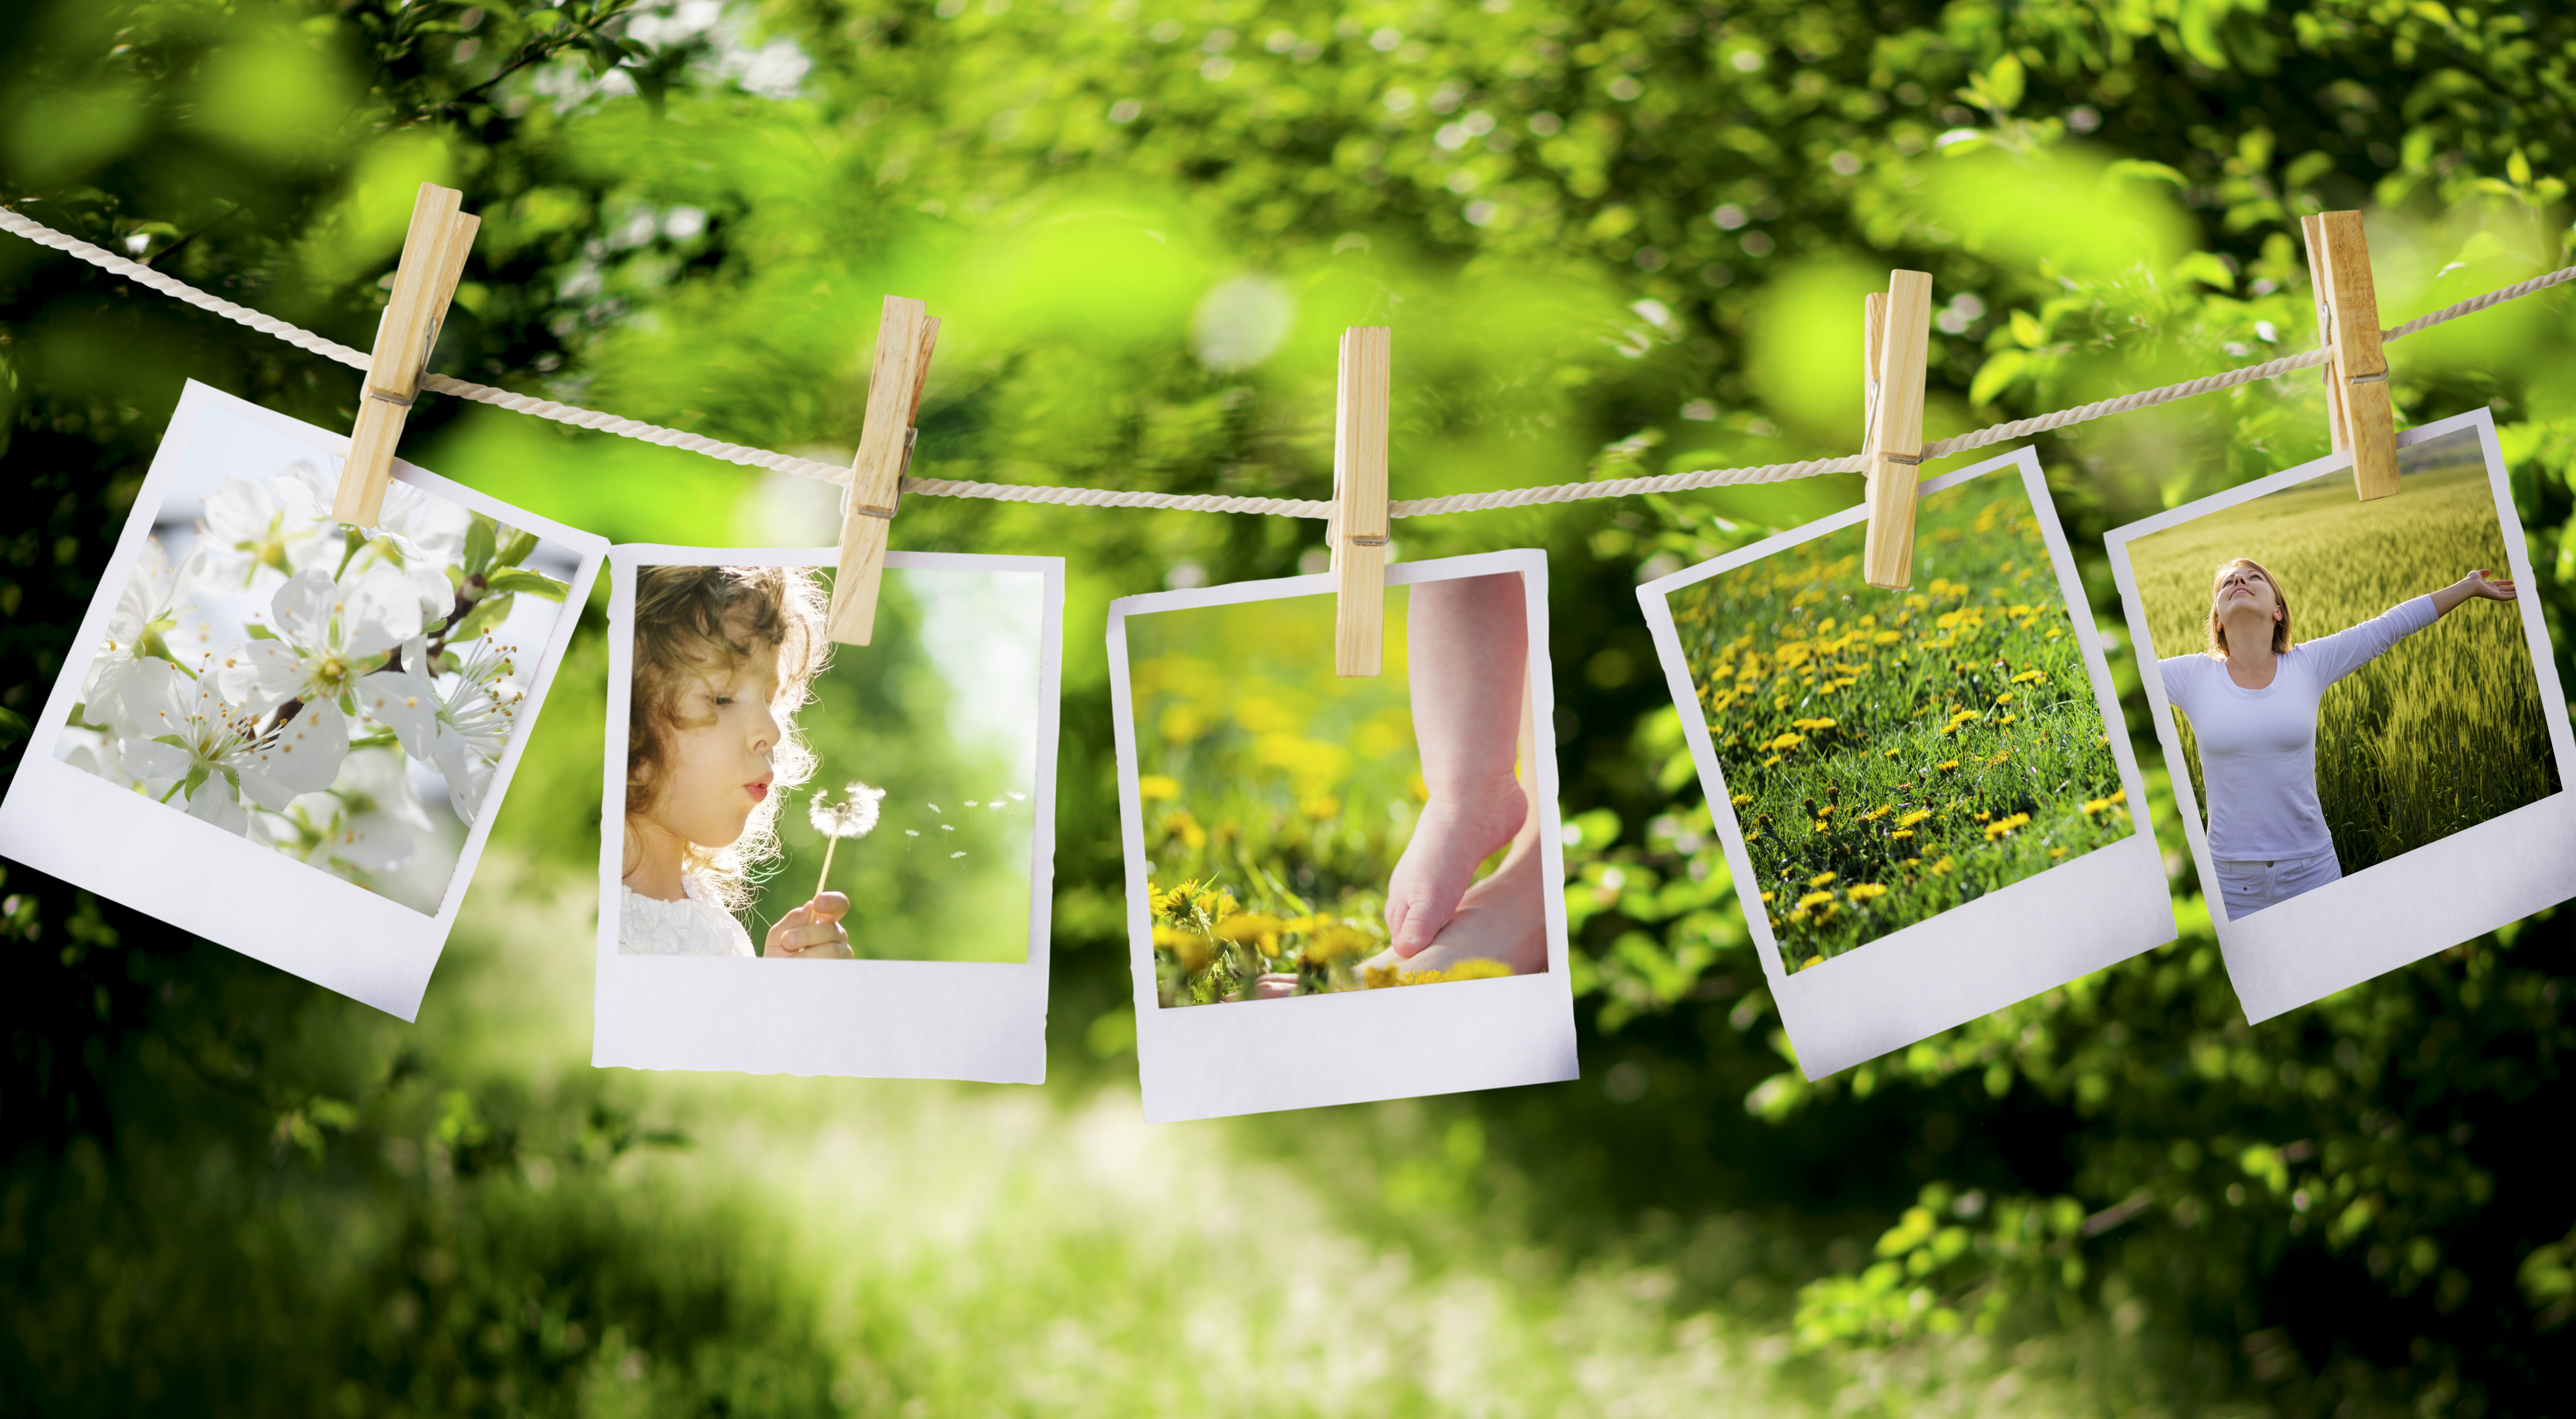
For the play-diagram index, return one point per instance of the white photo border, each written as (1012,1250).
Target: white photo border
(1357,1046)
(225,888)
(2376,920)
(974,1020)
(2075,918)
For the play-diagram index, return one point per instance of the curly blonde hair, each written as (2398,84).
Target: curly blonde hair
(2217,647)
(691,622)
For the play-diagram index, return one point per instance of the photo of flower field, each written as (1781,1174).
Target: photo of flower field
(1277,797)
(2443,732)
(1893,754)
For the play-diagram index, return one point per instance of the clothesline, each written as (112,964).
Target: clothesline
(578,417)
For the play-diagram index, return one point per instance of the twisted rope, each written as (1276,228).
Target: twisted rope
(581,418)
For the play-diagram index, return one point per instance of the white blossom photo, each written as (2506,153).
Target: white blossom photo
(339,702)
(338,695)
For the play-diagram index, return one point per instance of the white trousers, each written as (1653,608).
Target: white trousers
(2248,887)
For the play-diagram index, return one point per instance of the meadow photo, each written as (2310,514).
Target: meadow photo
(2358,704)
(1878,760)
(339,702)
(1299,838)
(845,822)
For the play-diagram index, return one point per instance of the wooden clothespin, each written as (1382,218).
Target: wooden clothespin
(1357,530)
(433,259)
(2358,410)
(1898,340)
(905,336)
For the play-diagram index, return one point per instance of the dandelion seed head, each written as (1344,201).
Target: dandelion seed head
(955,855)
(855,816)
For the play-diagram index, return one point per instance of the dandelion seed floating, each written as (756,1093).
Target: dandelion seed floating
(855,816)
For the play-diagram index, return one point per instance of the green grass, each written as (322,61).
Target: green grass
(1893,754)
(2443,732)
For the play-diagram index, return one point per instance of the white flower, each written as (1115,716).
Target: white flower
(329,636)
(143,614)
(380,818)
(188,740)
(92,752)
(855,816)
(248,525)
(461,723)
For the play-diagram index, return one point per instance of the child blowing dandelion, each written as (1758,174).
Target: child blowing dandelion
(723,656)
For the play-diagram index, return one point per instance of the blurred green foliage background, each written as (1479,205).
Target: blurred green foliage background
(1611,235)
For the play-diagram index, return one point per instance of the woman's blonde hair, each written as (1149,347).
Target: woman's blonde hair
(692,622)
(2280,629)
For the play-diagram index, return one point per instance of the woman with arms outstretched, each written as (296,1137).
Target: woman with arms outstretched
(2252,697)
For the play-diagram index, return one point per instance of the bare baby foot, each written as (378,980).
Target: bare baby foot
(1449,839)
(1502,918)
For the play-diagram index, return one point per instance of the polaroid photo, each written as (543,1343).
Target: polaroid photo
(286,735)
(1365,874)
(2358,704)
(1926,796)
(820,858)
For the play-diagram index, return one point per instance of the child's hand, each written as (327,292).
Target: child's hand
(813,931)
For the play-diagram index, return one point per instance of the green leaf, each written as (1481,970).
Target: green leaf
(2206,268)
(1997,375)
(258,632)
(14,726)
(2004,84)
(487,613)
(2025,328)
(521,579)
(480,539)
(2145,171)
(514,548)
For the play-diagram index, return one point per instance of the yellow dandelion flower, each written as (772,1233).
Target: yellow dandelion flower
(2118,795)
(1190,950)
(1943,866)
(1786,741)
(1864,891)
(1741,799)
(1891,753)
(1152,787)
(1766,896)
(1379,977)
(2007,719)
(2057,852)
(1984,816)
(2000,756)
(1335,943)
(1769,762)
(1811,963)
(1811,724)
(1820,879)
(1900,835)
(1464,970)
(1885,638)
(1878,812)
(1914,817)
(1249,926)
(2028,676)
(2003,827)
(2005,698)
(1814,899)
(1946,765)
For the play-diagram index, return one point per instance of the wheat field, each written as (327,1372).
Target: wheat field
(2443,732)
(1893,754)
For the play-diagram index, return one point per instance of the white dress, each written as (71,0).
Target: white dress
(695,926)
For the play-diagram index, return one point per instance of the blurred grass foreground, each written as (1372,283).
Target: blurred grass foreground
(1615,237)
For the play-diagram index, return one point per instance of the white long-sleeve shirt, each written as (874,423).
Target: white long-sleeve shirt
(2258,748)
